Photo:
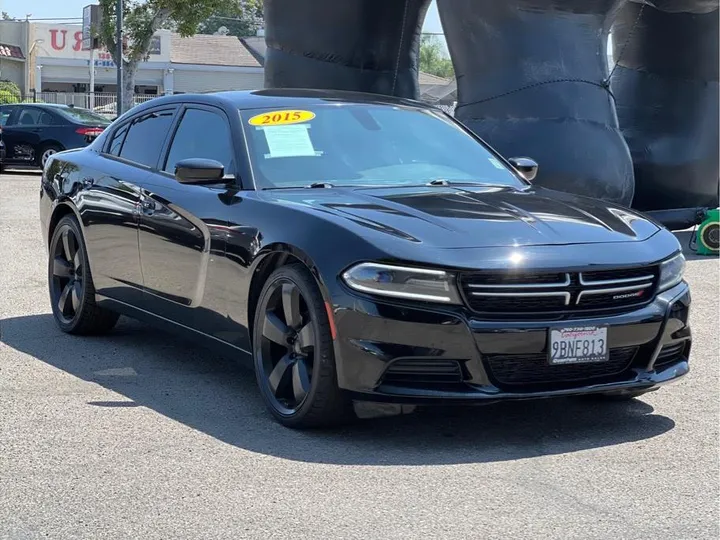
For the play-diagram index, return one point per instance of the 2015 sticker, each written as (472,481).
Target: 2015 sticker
(281,118)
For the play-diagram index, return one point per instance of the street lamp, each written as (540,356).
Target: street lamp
(35,44)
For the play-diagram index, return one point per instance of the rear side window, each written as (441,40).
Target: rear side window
(30,116)
(4,115)
(144,140)
(202,134)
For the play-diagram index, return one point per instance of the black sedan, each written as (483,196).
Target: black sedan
(356,247)
(32,132)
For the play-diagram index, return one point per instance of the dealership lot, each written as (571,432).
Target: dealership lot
(131,436)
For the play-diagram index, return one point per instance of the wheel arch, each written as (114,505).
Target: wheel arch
(272,257)
(51,142)
(64,208)
(61,210)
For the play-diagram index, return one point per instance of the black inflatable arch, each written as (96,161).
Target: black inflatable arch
(533,79)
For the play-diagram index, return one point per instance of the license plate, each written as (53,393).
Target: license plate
(578,345)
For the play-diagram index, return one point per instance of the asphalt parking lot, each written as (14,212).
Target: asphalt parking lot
(141,435)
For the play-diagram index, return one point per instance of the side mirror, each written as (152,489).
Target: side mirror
(199,171)
(527,167)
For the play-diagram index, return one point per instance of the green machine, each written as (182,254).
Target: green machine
(707,239)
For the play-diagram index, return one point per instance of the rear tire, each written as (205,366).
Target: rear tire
(72,292)
(45,152)
(293,352)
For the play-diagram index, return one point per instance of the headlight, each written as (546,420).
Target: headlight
(671,272)
(402,282)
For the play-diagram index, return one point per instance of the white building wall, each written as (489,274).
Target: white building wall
(209,80)
(14,33)
(81,74)
(13,71)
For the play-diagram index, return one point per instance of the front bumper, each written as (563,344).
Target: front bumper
(407,354)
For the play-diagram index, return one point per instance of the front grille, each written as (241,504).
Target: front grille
(423,372)
(670,354)
(534,369)
(508,293)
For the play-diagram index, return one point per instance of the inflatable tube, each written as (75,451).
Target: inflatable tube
(666,87)
(532,81)
(360,45)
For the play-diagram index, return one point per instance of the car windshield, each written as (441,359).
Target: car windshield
(83,116)
(365,145)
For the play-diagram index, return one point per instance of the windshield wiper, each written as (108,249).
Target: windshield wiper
(313,185)
(320,185)
(438,182)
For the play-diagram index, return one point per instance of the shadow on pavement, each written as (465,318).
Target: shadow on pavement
(218,397)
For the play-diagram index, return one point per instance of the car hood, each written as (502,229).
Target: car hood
(464,217)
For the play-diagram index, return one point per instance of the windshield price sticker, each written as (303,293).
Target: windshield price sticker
(281,118)
(578,345)
(288,141)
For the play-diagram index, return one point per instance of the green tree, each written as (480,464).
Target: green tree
(6,17)
(9,92)
(241,19)
(433,59)
(142,18)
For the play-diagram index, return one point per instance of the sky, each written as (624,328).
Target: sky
(73,8)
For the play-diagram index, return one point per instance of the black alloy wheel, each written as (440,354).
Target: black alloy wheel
(293,352)
(72,293)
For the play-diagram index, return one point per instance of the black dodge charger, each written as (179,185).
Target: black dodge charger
(357,247)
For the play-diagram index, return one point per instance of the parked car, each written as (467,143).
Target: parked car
(32,132)
(358,247)
(2,151)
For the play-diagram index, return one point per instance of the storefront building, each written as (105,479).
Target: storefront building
(14,52)
(48,58)
(61,64)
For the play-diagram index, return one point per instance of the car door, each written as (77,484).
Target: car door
(12,135)
(183,227)
(23,133)
(5,111)
(110,202)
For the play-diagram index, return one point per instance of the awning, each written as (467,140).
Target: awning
(11,51)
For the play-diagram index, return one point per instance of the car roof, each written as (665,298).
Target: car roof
(286,97)
(42,105)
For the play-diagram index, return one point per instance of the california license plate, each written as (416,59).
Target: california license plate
(578,345)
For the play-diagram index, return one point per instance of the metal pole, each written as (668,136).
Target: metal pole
(92,79)
(118,38)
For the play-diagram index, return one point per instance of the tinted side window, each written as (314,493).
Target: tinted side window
(47,119)
(145,138)
(202,134)
(5,113)
(118,140)
(30,117)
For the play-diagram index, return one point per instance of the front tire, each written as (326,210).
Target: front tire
(72,292)
(293,352)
